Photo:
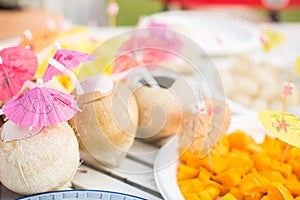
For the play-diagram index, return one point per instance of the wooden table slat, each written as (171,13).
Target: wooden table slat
(92,179)
(129,171)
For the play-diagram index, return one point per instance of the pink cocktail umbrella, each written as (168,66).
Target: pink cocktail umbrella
(69,59)
(40,107)
(147,46)
(17,65)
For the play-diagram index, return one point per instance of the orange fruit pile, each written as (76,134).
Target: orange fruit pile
(239,168)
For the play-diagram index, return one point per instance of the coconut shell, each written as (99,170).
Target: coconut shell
(44,162)
(107,125)
(201,132)
(159,113)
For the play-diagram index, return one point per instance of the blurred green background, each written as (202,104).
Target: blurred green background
(132,10)
(291,15)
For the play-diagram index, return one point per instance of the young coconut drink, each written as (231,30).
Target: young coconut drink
(39,151)
(108,121)
(204,126)
(44,162)
(161,105)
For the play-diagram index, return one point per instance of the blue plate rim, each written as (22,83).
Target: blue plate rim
(81,190)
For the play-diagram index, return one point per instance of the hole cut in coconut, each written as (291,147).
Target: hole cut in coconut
(162,81)
(1,120)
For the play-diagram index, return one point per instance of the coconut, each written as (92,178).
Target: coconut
(44,162)
(107,124)
(201,132)
(160,108)
(159,113)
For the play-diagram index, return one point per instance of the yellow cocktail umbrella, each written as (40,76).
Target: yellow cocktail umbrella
(282,125)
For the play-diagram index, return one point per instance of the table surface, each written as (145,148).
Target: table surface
(94,175)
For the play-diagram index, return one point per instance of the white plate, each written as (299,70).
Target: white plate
(82,195)
(217,34)
(166,162)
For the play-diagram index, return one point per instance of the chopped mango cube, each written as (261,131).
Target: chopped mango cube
(261,161)
(296,167)
(293,154)
(241,164)
(190,185)
(213,192)
(236,193)
(254,148)
(228,196)
(293,186)
(190,196)
(204,195)
(240,140)
(204,174)
(253,184)
(229,178)
(254,196)
(272,147)
(283,168)
(186,172)
(278,191)
(273,176)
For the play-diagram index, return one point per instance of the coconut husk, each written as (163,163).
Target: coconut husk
(201,132)
(44,162)
(107,125)
(73,126)
(159,113)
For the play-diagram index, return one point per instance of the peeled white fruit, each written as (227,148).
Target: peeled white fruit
(44,162)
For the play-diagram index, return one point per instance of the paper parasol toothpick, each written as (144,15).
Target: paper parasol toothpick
(40,107)
(69,73)
(147,47)
(214,116)
(151,45)
(17,65)
(68,58)
(284,126)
